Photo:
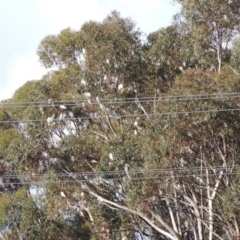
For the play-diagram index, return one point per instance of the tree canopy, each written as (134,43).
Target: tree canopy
(127,138)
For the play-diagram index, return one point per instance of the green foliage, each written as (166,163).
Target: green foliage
(75,133)
(235,54)
(4,118)
(77,152)
(214,24)
(228,80)
(4,207)
(104,55)
(7,139)
(28,221)
(31,91)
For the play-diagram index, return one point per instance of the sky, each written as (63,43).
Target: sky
(24,23)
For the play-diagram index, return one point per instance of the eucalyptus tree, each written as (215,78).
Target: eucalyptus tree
(109,163)
(170,53)
(203,142)
(106,57)
(198,145)
(60,123)
(26,144)
(214,24)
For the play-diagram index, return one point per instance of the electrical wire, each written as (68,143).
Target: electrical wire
(99,180)
(134,171)
(74,102)
(121,101)
(122,116)
(172,173)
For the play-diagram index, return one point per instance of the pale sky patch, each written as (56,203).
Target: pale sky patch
(71,13)
(25,67)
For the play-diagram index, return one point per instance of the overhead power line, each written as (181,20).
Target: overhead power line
(123,116)
(74,102)
(120,178)
(134,171)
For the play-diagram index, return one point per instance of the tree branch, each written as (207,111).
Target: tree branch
(138,213)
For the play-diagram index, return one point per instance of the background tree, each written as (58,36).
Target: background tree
(213,26)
